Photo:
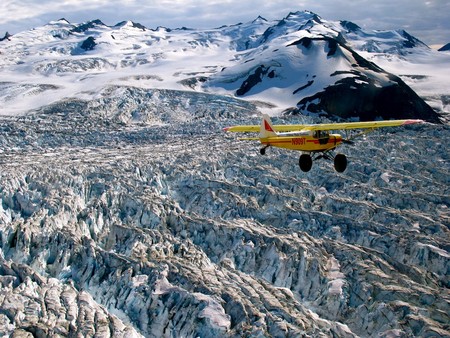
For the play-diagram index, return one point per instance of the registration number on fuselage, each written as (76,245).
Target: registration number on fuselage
(298,141)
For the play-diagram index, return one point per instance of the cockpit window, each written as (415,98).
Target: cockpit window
(320,134)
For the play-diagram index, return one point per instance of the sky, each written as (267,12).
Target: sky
(427,20)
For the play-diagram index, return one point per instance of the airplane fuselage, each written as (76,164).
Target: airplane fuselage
(318,142)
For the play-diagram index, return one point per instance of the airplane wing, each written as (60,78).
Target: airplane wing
(324,126)
(360,125)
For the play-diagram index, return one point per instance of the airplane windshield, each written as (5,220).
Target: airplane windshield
(321,134)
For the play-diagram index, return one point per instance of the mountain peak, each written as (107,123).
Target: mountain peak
(259,19)
(59,22)
(132,24)
(303,16)
(6,37)
(445,48)
(350,26)
(64,20)
(410,41)
(87,25)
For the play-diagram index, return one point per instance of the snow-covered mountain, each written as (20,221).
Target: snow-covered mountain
(291,64)
(126,211)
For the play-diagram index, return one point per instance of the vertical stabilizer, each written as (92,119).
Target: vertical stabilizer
(266,130)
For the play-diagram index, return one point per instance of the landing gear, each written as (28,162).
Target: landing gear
(305,162)
(262,151)
(340,163)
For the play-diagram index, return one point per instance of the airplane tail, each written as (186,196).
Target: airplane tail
(266,130)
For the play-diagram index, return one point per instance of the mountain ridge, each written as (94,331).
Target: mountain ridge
(241,44)
(445,48)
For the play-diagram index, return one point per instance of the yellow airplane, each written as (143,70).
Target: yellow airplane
(314,140)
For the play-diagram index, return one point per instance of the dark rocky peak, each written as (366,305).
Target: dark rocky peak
(259,19)
(410,41)
(361,97)
(305,42)
(6,37)
(445,48)
(362,93)
(87,25)
(224,27)
(60,28)
(292,22)
(64,20)
(132,24)
(301,16)
(88,44)
(350,26)
(308,25)
(333,44)
(168,30)
(121,24)
(138,25)
(58,23)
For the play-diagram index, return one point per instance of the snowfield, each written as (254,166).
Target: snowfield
(127,211)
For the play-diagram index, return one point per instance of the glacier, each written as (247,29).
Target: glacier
(175,228)
(126,211)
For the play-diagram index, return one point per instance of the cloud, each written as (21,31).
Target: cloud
(425,19)
(29,9)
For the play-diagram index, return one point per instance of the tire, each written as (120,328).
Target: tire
(305,162)
(340,163)
(262,151)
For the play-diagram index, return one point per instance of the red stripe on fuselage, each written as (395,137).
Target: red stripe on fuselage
(276,142)
(331,140)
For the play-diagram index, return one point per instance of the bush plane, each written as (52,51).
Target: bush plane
(314,140)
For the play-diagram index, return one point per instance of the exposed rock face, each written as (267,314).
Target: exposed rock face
(252,80)
(361,97)
(6,37)
(160,225)
(86,26)
(445,48)
(88,44)
(350,26)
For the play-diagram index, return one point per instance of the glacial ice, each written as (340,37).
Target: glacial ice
(144,230)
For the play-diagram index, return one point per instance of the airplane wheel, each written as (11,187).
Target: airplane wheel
(262,151)
(340,163)
(305,162)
